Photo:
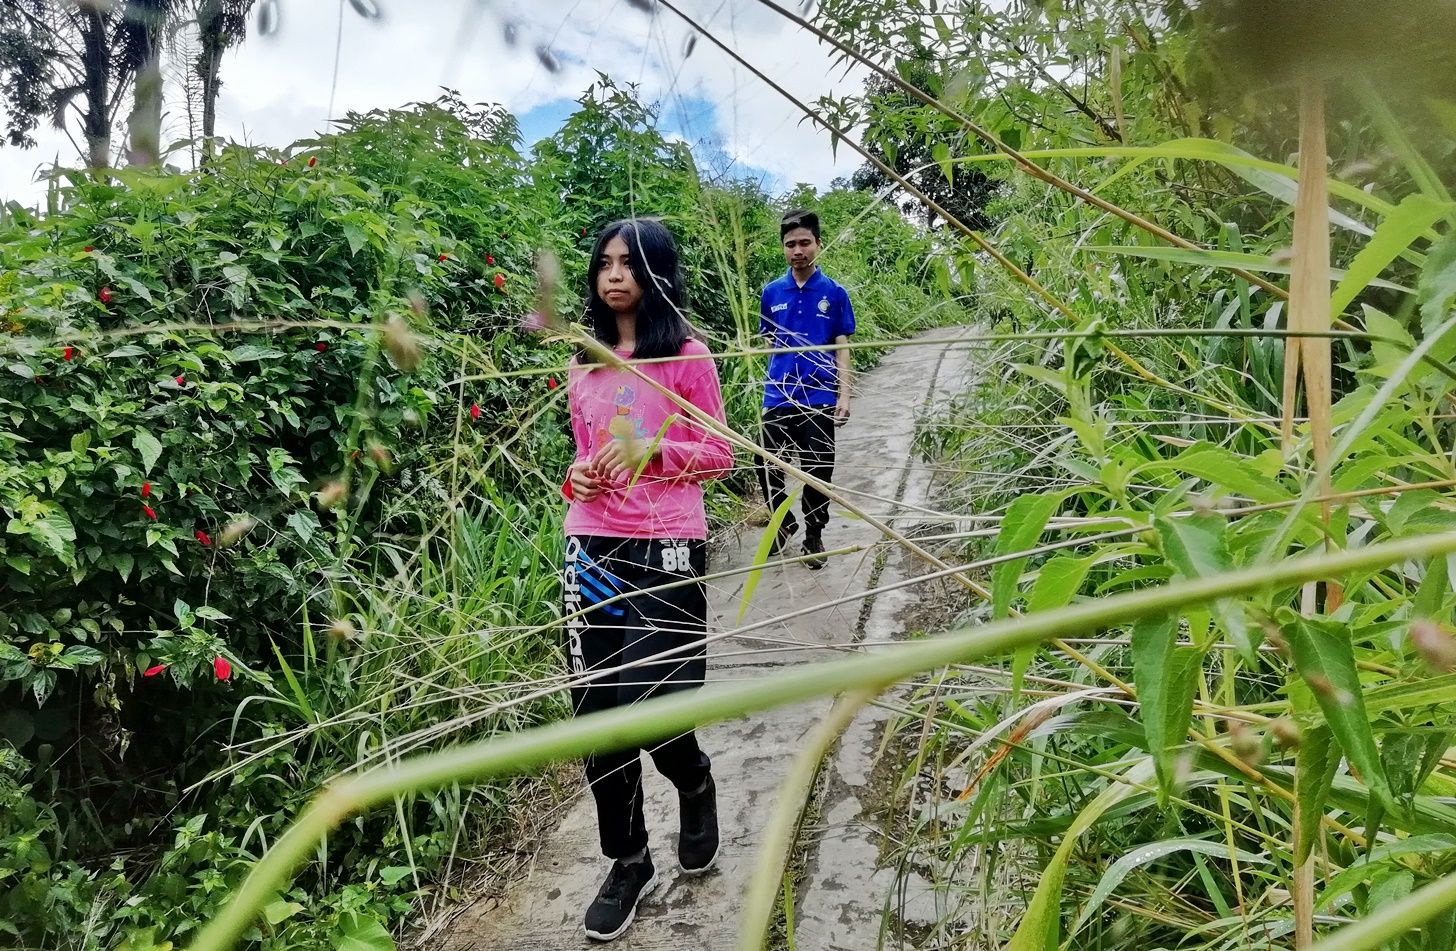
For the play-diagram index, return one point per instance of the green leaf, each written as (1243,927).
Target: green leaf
(1166,677)
(940,153)
(1023,525)
(54,531)
(1325,659)
(148,447)
(249,352)
(280,911)
(1057,582)
(78,655)
(1438,283)
(361,933)
(1224,470)
(1402,228)
(1196,547)
(393,873)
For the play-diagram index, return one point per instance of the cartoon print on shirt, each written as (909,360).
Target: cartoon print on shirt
(623,424)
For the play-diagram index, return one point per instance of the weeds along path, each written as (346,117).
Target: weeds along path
(806,616)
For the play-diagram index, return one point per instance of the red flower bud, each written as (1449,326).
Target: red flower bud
(500,282)
(68,353)
(180,380)
(153,671)
(551,383)
(490,259)
(221,668)
(146,489)
(312,161)
(321,346)
(104,295)
(150,512)
(583,232)
(474,410)
(88,249)
(204,538)
(444,257)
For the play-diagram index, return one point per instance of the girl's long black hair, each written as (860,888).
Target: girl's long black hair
(662,327)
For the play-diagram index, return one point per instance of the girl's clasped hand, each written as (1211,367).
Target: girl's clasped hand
(610,467)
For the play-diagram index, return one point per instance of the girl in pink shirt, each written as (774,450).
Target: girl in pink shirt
(628,535)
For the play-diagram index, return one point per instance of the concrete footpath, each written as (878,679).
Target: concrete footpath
(842,895)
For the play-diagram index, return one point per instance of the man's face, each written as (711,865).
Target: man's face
(801,248)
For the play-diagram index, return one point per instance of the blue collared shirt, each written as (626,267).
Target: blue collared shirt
(809,316)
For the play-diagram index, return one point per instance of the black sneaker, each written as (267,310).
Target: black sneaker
(781,538)
(697,840)
(814,545)
(615,906)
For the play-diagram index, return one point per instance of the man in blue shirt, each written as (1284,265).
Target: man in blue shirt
(807,393)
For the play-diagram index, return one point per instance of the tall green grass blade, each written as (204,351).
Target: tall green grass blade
(1242,260)
(1040,926)
(761,553)
(1410,220)
(1144,854)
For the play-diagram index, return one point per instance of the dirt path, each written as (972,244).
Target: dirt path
(841,897)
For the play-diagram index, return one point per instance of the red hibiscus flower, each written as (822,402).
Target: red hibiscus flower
(312,161)
(146,489)
(490,259)
(150,512)
(321,346)
(221,668)
(104,295)
(68,353)
(551,383)
(474,410)
(500,282)
(153,671)
(180,380)
(88,249)
(204,538)
(444,257)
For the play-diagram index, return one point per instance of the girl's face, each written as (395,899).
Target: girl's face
(616,284)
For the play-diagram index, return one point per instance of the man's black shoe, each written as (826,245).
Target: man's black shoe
(615,906)
(814,545)
(697,841)
(781,537)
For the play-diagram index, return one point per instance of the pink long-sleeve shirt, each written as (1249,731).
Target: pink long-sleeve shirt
(667,499)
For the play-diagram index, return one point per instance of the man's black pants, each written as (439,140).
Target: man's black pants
(807,431)
(623,634)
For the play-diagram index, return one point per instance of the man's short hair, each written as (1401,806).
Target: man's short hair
(799,218)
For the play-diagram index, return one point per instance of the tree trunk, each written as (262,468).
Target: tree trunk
(96,124)
(210,26)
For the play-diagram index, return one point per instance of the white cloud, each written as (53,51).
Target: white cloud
(277,89)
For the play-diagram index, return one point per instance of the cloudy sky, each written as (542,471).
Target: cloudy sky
(278,88)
